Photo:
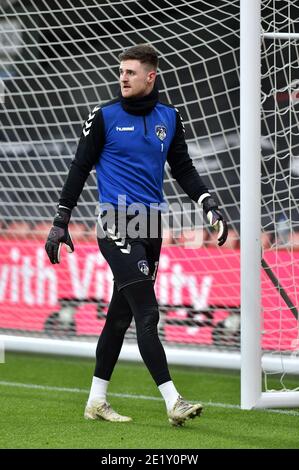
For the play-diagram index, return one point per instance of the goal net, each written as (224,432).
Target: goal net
(58,60)
(280,183)
(269,53)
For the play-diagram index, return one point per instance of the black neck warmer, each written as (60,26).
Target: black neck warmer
(140,106)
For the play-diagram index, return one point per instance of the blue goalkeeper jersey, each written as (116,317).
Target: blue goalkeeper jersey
(131,162)
(128,142)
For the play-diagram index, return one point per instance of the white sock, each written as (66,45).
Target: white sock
(98,389)
(169,393)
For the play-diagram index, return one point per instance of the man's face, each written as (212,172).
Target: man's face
(136,79)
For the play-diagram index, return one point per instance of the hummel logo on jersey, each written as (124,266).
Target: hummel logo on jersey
(125,129)
(88,122)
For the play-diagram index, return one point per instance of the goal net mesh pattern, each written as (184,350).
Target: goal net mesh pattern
(280,182)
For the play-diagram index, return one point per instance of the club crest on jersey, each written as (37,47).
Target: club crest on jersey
(161,132)
(143,267)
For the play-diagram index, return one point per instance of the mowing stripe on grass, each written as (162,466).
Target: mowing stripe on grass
(49,388)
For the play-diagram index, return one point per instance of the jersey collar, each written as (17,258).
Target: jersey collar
(140,106)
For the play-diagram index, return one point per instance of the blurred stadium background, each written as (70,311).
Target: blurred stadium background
(57,61)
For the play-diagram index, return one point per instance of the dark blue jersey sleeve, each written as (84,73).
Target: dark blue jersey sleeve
(181,165)
(87,155)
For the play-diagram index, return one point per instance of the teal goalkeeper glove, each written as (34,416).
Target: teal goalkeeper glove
(59,234)
(215,219)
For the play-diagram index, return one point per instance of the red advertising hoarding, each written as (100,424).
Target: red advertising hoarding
(31,289)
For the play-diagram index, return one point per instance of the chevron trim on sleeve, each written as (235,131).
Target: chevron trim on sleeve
(182,122)
(88,122)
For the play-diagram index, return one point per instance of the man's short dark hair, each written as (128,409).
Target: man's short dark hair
(145,53)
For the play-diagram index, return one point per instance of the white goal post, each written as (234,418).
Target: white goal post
(250,158)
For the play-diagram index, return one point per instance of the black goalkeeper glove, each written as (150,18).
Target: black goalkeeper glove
(215,219)
(59,234)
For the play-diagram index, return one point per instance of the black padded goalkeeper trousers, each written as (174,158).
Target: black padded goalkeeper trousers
(134,270)
(136,300)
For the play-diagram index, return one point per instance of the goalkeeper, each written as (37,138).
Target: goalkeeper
(128,140)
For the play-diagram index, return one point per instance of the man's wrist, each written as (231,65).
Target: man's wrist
(203,197)
(60,206)
(62,216)
(208,203)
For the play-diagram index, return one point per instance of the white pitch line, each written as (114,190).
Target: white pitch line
(136,397)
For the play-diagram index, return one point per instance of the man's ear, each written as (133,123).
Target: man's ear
(151,76)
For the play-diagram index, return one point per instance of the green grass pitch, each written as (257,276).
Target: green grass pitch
(43,399)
